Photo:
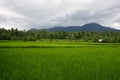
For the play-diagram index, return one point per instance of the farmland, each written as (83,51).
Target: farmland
(59,60)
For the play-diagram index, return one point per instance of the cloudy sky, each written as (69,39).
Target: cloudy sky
(26,14)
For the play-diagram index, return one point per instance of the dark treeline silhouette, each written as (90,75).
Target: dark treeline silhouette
(15,34)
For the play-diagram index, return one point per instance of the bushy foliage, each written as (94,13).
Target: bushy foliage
(15,34)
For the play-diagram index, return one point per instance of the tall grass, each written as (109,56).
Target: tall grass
(53,44)
(86,63)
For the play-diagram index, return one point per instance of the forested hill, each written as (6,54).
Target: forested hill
(86,27)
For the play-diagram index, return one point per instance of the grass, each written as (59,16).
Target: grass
(92,61)
(53,44)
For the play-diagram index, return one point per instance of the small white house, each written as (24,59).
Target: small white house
(101,40)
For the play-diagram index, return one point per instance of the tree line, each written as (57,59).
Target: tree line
(15,34)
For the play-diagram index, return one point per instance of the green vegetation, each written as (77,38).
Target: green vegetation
(53,44)
(59,60)
(15,34)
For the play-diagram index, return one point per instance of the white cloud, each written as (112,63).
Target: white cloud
(28,14)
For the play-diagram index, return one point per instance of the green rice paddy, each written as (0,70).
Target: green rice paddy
(59,60)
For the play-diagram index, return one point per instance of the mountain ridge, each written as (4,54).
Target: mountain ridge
(87,27)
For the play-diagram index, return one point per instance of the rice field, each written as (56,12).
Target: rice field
(59,60)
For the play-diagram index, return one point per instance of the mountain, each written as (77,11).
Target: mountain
(86,27)
(96,27)
(70,28)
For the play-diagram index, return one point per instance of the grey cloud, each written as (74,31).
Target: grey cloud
(48,13)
